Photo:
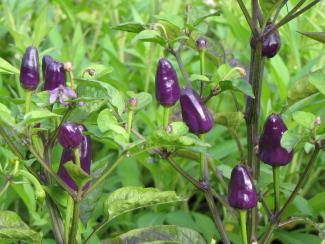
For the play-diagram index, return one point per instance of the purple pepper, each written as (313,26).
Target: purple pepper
(29,70)
(194,112)
(70,135)
(167,87)
(270,150)
(201,43)
(241,189)
(85,152)
(54,76)
(47,59)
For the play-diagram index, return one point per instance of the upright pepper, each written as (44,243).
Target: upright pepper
(85,150)
(270,150)
(54,75)
(194,112)
(47,59)
(167,87)
(29,69)
(70,135)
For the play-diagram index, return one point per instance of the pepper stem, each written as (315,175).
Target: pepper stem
(166,117)
(75,218)
(28,100)
(77,156)
(202,160)
(242,214)
(68,215)
(276,182)
(202,71)
(129,125)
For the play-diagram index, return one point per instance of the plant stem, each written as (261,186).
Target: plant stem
(277,218)
(67,222)
(248,18)
(242,214)
(181,66)
(28,100)
(202,71)
(276,183)
(75,218)
(129,125)
(12,146)
(56,220)
(202,160)
(166,117)
(77,157)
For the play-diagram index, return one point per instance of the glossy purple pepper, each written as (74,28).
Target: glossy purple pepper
(70,135)
(29,69)
(194,112)
(85,152)
(270,150)
(54,75)
(46,60)
(167,87)
(241,189)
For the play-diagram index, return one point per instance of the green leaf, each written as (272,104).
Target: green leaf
(268,6)
(195,77)
(317,79)
(13,229)
(300,89)
(41,99)
(40,27)
(143,98)
(127,199)
(100,71)
(130,27)
(231,120)
(318,36)
(39,115)
(304,119)
(289,140)
(175,20)
(160,234)
(149,36)
(240,85)
(7,68)
(79,176)
(5,115)
(202,18)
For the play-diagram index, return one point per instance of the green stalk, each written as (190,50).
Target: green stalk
(75,218)
(130,119)
(242,214)
(202,160)
(77,156)
(202,71)
(67,222)
(276,182)
(166,117)
(28,100)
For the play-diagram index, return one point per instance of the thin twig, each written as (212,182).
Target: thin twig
(279,10)
(248,18)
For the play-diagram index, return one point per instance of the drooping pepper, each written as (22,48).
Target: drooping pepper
(47,59)
(85,152)
(70,136)
(194,112)
(270,150)
(241,190)
(54,75)
(167,86)
(29,69)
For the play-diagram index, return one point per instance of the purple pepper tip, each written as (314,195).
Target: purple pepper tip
(54,75)
(241,189)
(85,153)
(195,113)
(201,43)
(270,150)
(29,69)
(70,136)
(46,60)
(167,86)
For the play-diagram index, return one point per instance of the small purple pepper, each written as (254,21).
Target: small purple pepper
(194,112)
(70,135)
(167,87)
(201,43)
(29,70)
(85,152)
(47,59)
(241,189)
(270,150)
(54,75)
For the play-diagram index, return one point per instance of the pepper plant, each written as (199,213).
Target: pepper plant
(88,154)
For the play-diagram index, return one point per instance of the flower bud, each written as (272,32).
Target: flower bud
(241,189)
(85,153)
(201,43)
(29,70)
(194,112)
(54,76)
(167,87)
(70,136)
(68,66)
(132,103)
(47,59)
(270,150)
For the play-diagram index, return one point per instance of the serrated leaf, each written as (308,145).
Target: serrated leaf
(195,77)
(289,139)
(149,36)
(38,115)
(318,36)
(304,119)
(160,234)
(79,176)
(13,229)
(143,98)
(240,85)
(130,27)
(7,68)
(127,199)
